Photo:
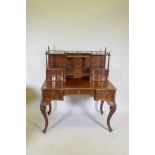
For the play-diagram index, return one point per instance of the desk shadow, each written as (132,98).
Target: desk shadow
(90,116)
(82,99)
(31,128)
(61,119)
(34,126)
(31,99)
(95,120)
(31,94)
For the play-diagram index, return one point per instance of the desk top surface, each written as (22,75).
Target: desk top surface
(78,84)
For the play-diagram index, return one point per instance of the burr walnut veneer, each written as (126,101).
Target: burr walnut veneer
(77,73)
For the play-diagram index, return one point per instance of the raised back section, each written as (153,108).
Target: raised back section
(86,60)
(80,64)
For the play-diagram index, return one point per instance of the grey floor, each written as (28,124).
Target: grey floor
(76,132)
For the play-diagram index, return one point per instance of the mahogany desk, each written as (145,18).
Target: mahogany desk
(77,73)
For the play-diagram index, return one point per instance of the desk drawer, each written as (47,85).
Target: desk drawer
(105,95)
(78,92)
(53,94)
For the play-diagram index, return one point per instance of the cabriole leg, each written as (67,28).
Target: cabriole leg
(112,110)
(43,111)
(101,107)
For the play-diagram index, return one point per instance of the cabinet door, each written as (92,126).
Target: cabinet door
(99,75)
(55,75)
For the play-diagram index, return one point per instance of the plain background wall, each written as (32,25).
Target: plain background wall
(78,25)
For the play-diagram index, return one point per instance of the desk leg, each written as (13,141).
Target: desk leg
(43,111)
(112,110)
(50,107)
(101,107)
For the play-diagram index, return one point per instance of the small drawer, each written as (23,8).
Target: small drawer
(77,92)
(53,94)
(99,75)
(104,95)
(57,94)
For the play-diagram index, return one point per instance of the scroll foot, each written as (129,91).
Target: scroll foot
(101,107)
(44,131)
(112,110)
(43,111)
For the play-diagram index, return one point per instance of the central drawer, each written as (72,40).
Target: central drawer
(104,95)
(78,92)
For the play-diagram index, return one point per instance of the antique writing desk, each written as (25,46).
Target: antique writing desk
(77,73)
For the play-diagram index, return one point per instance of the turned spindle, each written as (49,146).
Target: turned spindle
(108,60)
(46,58)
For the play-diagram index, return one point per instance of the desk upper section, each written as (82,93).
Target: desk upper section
(93,65)
(77,72)
(76,59)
